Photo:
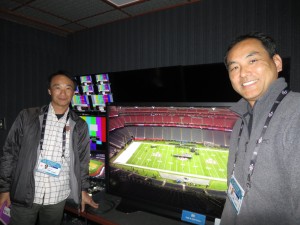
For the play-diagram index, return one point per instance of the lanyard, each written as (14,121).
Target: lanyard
(63,134)
(282,94)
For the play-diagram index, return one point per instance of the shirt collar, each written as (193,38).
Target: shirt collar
(242,106)
(53,114)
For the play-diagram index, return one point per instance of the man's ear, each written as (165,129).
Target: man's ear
(278,62)
(49,92)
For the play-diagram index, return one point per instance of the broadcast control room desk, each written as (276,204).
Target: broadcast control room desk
(105,216)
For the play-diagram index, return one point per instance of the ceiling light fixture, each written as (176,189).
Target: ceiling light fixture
(120,3)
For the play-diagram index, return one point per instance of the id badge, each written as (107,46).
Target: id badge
(49,167)
(235,194)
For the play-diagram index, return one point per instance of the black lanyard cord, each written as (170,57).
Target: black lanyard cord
(282,94)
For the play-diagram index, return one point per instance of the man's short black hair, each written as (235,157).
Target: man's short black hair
(64,73)
(267,42)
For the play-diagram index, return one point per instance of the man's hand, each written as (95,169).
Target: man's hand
(86,199)
(4,196)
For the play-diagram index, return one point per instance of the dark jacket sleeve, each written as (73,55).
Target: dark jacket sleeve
(9,153)
(292,165)
(84,154)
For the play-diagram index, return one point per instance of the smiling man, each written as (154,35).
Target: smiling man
(263,165)
(45,159)
(252,69)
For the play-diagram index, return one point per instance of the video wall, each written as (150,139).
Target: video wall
(92,93)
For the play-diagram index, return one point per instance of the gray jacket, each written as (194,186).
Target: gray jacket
(19,156)
(274,195)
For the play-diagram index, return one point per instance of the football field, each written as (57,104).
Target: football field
(188,161)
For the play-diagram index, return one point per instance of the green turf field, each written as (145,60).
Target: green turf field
(95,166)
(156,159)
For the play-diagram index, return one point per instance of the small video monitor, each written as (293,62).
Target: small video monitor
(98,102)
(88,89)
(104,88)
(97,131)
(80,103)
(86,80)
(101,78)
(97,166)
(108,98)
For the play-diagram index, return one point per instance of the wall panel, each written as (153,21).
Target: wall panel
(193,34)
(27,56)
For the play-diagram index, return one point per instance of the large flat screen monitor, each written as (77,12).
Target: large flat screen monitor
(169,157)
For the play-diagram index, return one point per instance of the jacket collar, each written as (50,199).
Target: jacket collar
(266,101)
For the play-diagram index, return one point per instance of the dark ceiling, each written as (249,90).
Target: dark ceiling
(65,17)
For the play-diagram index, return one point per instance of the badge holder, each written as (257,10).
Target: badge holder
(235,194)
(49,167)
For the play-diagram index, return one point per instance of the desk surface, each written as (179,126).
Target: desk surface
(106,216)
